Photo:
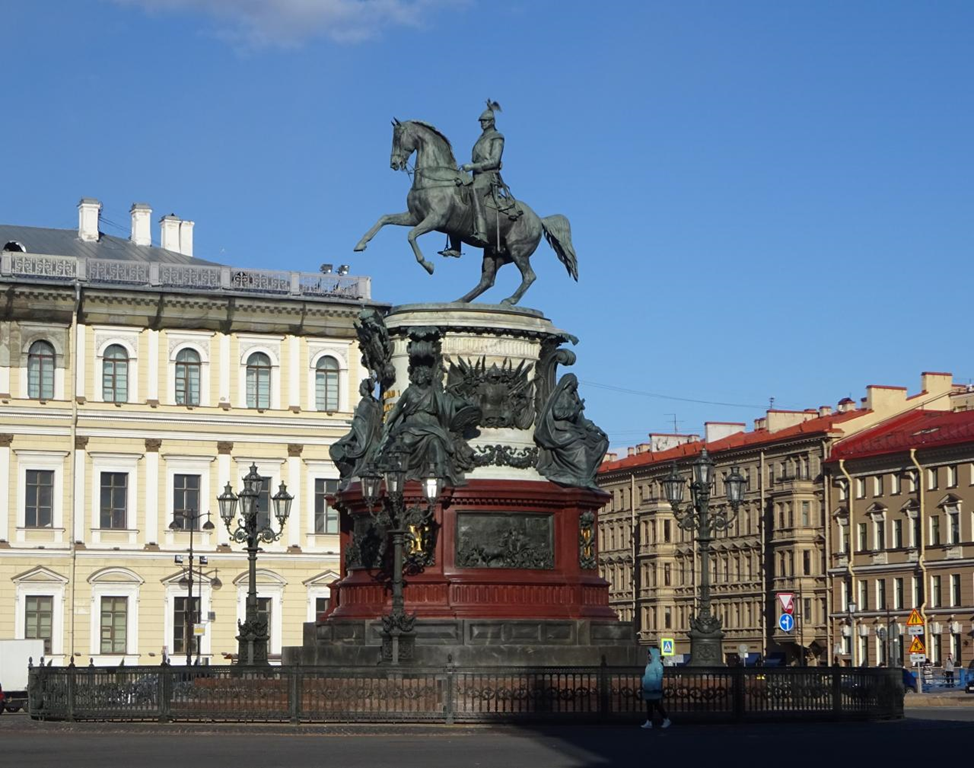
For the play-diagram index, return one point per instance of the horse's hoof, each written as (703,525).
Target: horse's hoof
(428,266)
(361,246)
(508,302)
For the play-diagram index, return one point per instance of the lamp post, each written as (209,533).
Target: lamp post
(402,523)
(706,633)
(192,517)
(252,640)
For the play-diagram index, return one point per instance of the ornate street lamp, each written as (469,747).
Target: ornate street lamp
(706,632)
(403,524)
(252,640)
(192,517)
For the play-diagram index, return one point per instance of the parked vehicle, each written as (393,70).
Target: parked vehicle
(15,658)
(909,680)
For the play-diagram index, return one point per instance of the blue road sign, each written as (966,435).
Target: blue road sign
(667,647)
(786,623)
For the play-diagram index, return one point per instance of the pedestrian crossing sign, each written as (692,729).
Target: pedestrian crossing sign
(917,646)
(915,620)
(667,647)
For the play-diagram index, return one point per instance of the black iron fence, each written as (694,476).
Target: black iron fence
(455,695)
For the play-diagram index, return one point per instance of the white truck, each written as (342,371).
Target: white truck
(15,656)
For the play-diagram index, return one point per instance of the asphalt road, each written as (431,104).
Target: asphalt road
(26,744)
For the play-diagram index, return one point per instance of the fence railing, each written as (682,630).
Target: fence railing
(268,282)
(455,695)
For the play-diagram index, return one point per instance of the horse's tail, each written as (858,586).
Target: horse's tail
(558,233)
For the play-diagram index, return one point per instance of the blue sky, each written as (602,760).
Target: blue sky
(768,199)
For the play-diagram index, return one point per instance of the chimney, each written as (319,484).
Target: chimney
(630,451)
(141,224)
(718,430)
(825,410)
(170,232)
(89,212)
(186,238)
(846,404)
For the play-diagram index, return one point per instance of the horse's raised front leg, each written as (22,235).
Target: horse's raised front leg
(399,219)
(428,224)
(487,276)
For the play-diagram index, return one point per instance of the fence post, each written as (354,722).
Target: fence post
(604,690)
(450,683)
(165,692)
(71,682)
(294,693)
(836,692)
(738,680)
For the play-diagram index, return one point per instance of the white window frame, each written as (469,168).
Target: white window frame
(115,462)
(317,470)
(106,336)
(32,332)
(319,586)
(199,342)
(45,461)
(270,346)
(896,484)
(115,582)
(180,464)
(318,350)
(269,584)
(202,590)
(42,582)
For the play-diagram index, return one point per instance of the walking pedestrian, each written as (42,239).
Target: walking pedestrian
(653,690)
(949,671)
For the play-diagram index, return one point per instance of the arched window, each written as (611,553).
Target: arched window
(115,375)
(188,377)
(326,384)
(40,371)
(258,381)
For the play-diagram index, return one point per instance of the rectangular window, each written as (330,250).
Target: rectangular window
(898,592)
(39,620)
(881,594)
(326,516)
(666,575)
(877,485)
(807,563)
(186,501)
(807,611)
(916,532)
(915,589)
(895,484)
(39,498)
(936,596)
(114,499)
(897,534)
(860,488)
(806,512)
(932,479)
(863,595)
(322,604)
(952,476)
(863,543)
(666,531)
(934,530)
(180,617)
(667,618)
(845,540)
(879,531)
(955,589)
(264,504)
(953,529)
(114,623)
(265,609)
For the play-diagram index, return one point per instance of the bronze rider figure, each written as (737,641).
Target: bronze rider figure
(485,166)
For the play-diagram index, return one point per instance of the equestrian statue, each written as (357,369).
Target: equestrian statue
(470,204)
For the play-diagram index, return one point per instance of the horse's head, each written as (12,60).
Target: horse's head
(402,145)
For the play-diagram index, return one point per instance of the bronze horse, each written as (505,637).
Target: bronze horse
(438,201)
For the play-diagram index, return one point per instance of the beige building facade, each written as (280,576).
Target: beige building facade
(778,543)
(136,382)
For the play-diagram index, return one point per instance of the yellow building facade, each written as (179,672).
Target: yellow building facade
(135,384)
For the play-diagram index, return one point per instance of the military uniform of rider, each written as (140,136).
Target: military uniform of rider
(485,167)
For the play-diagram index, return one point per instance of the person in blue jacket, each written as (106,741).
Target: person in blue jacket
(653,689)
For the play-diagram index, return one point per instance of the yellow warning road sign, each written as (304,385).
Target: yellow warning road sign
(917,646)
(915,620)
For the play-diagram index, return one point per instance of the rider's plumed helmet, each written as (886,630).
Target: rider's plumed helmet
(488,114)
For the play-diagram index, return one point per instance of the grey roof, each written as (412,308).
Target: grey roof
(65,242)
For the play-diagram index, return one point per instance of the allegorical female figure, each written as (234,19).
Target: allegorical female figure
(571,446)
(427,425)
(355,449)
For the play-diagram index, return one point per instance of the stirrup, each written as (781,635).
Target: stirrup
(450,253)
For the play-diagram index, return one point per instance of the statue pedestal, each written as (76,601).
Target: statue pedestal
(509,574)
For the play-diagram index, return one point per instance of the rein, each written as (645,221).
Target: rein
(451,181)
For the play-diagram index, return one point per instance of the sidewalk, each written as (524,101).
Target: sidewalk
(939,698)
